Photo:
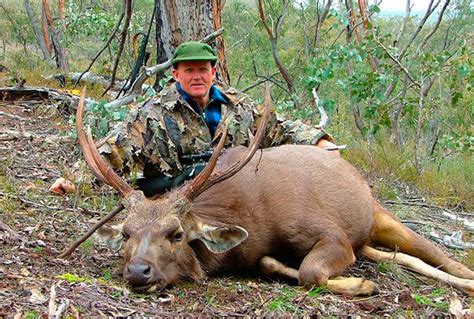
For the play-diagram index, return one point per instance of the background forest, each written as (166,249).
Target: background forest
(398,88)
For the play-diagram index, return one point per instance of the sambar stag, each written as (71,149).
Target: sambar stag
(293,212)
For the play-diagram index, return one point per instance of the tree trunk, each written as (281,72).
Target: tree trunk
(321,14)
(56,38)
(188,20)
(36,30)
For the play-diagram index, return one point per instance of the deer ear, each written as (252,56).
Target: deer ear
(218,239)
(112,236)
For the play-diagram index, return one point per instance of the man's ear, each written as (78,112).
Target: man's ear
(214,71)
(218,239)
(111,235)
(175,74)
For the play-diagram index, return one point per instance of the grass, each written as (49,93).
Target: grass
(8,204)
(427,301)
(31,314)
(284,301)
(447,182)
(107,274)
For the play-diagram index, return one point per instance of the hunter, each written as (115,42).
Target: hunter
(167,140)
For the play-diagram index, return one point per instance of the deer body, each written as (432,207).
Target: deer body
(288,199)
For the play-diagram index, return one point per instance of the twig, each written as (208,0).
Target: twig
(435,28)
(397,61)
(76,244)
(12,116)
(408,8)
(429,11)
(112,35)
(28,202)
(258,82)
(126,24)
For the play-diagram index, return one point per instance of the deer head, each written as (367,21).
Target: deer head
(157,231)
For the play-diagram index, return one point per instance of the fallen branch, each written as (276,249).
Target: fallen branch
(39,95)
(12,116)
(409,203)
(35,204)
(12,135)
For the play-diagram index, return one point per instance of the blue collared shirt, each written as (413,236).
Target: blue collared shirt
(212,112)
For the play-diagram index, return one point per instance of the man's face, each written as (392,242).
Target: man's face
(196,78)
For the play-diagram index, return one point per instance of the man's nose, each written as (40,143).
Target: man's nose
(196,76)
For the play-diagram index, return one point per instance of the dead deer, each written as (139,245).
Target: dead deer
(293,212)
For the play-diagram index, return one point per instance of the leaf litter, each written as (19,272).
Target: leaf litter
(35,225)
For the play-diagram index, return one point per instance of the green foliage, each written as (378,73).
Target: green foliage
(94,21)
(38,249)
(317,291)
(107,274)
(426,301)
(31,314)
(88,244)
(284,301)
(8,204)
(384,267)
(71,278)
(102,115)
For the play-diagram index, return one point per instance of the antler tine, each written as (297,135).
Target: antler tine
(233,169)
(95,161)
(83,139)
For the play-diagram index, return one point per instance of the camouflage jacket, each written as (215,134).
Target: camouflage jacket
(156,134)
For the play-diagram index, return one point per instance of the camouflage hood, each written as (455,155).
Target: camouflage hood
(156,134)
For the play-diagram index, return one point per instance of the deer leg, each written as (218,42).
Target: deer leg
(271,267)
(329,257)
(389,232)
(274,269)
(419,266)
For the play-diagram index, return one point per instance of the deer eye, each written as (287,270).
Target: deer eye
(125,235)
(178,236)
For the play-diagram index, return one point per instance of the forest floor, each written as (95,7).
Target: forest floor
(35,225)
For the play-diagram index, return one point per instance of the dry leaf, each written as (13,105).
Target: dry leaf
(37,297)
(25,272)
(52,305)
(456,309)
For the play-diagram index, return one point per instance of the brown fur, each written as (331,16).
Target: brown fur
(300,206)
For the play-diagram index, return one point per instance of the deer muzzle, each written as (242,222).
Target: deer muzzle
(143,276)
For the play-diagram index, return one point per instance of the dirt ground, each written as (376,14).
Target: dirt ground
(35,225)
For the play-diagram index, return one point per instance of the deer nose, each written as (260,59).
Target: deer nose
(138,274)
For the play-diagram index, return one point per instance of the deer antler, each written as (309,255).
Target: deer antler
(100,169)
(95,161)
(204,180)
(83,140)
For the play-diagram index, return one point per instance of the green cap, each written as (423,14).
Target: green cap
(193,51)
